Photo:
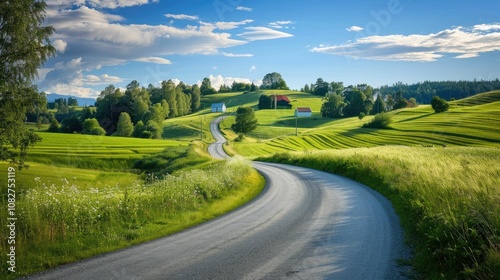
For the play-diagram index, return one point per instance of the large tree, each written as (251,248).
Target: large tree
(245,120)
(333,106)
(24,47)
(273,81)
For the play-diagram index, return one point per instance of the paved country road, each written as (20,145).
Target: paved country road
(306,224)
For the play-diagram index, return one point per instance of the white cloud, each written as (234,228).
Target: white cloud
(103,79)
(355,28)
(182,16)
(236,55)
(68,89)
(60,45)
(280,24)
(486,27)
(253,68)
(262,33)
(153,59)
(465,43)
(108,4)
(224,25)
(246,9)
(218,81)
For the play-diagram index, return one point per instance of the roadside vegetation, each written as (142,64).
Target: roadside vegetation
(447,200)
(61,222)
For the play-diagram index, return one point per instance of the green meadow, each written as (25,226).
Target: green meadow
(440,171)
(85,195)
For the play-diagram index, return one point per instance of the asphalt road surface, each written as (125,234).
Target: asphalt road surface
(306,224)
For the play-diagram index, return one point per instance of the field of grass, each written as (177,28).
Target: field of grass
(448,200)
(61,222)
(477,125)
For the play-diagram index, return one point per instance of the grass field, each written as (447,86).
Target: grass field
(61,222)
(447,199)
(477,124)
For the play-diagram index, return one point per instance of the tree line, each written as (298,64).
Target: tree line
(136,111)
(448,90)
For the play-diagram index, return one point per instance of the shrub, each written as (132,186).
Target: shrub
(361,115)
(439,105)
(91,126)
(381,120)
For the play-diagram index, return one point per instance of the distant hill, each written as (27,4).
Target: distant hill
(81,100)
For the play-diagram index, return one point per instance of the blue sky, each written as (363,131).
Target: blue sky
(379,42)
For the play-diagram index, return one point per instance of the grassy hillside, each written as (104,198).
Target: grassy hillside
(440,172)
(477,124)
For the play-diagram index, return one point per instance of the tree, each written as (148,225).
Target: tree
(91,126)
(195,98)
(321,87)
(54,126)
(71,124)
(253,87)
(273,81)
(355,103)
(337,87)
(139,129)
(265,102)
(124,126)
(333,107)
(439,105)
(245,120)
(206,87)
(379,105)
(24,47)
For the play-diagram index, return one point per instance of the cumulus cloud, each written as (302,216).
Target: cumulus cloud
(218,81)
(262,33)
(253,68)
(182,16)
(242,8)
(355,28)
(59,45)
(459,41)
(103,79)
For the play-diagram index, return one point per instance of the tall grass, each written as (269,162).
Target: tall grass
(448,200)
(62,222)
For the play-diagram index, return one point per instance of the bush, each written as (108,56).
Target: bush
(91,126)
(381,120)
(439,105)
(361,115)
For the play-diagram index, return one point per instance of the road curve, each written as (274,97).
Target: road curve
(306,224)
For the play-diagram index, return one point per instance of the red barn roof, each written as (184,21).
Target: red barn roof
(304,109)
(280,98)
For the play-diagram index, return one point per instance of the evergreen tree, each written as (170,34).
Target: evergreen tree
(195,98)
(265,102)
(124,126)
(379,105)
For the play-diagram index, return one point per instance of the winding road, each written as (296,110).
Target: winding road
(306,224)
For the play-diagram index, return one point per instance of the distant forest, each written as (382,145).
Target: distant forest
(449,90)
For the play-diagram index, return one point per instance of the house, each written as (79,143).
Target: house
(302,112)
(280,101)
(218,107)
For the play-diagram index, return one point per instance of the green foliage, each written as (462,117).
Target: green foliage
(24,48)
(273,81)
(92,127)
(245,120)
(125,127)
(139,129)
(446,198)
(265,102)
(61,222)
(333,106)
(382,120)
(361,116)
(379,105)
(153,128)
(439,105)
(71,124)
(54,126)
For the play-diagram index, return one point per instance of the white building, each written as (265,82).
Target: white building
(302,112)
(218,107)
